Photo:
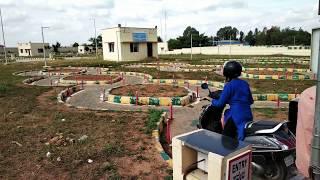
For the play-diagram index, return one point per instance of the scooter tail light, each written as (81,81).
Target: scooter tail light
(290,142)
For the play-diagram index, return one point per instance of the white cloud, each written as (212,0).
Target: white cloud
(71,20)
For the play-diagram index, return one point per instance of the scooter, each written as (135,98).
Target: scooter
(273,144)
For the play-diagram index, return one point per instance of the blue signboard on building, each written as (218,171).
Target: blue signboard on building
(139,37)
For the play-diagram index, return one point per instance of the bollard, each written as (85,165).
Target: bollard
(188,84)
(102,95)
(171,112)
(206,79)
(50,82)
(168,134)
(278,102)
(197,91)
(137,98)
(82,84)
(68,92)
(100,71)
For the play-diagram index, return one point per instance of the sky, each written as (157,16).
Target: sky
(71,21)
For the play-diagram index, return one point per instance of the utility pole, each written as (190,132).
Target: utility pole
(44,48)
(95,37)
(191,45)
(294,40)
(230,46)
(4,40)
(165,25)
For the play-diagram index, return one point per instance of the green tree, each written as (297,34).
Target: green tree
(93,42)
(75,44)
(184,41)
(250,39)
(228,32)
(56,47)
(241,36)
(160,39)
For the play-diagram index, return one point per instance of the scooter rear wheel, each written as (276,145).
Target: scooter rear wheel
(276,171)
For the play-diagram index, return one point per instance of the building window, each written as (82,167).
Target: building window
(134,47)
(21,50)
(40,50)
(111,47)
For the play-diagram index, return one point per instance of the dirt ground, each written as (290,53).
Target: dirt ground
(266,72)
(43,139)
(150,90)
(280,114)
(90,77)
(26,141)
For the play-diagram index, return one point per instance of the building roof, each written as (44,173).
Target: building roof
(123,27)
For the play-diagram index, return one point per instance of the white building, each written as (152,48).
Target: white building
(129,43)
(85,49)
(162,47)
(32,49)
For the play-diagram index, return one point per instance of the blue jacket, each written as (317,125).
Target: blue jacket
(237,94)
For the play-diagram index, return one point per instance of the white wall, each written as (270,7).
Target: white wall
(109,36)
(242,50)
(162,47)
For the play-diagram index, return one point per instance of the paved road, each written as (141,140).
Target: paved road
(185,118)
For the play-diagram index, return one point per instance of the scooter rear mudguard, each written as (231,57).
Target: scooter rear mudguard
(210,119)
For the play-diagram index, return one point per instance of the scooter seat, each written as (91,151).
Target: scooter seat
(254,126)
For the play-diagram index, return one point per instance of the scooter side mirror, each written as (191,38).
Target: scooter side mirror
(204,86)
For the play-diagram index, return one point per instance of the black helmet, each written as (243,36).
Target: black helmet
(232,69)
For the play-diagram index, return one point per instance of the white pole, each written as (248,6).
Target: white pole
(191,46)
(4,40)
(95,37)
(230,47)
(118,41)
(165,26)
(44,48)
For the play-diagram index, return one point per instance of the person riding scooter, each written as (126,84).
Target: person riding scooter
(237,94)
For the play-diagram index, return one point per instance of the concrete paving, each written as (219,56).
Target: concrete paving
(185,118)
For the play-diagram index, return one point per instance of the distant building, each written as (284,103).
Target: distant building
(68,50)
(9,50)
(85,49)
(32,49)
(162,47)
(129,43)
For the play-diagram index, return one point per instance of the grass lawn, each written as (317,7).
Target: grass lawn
(32,124)
(270,114)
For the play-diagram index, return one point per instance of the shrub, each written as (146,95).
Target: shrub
(153,118)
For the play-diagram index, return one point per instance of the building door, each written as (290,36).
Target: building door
(149,49)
